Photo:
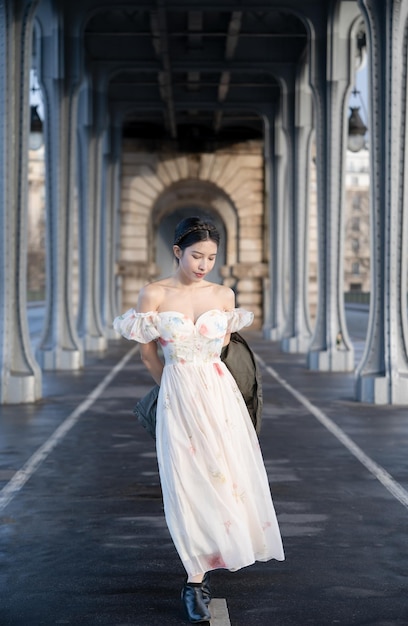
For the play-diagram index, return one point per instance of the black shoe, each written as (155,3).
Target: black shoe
(206,588)
(194,605)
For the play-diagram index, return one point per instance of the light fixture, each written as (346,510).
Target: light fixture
(356,131)
(356,128)
(36,129)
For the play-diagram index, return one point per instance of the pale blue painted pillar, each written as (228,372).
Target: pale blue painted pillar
(382,376)
(111,229)
(331,348)
(60,347)
(91,135)
(275,162)
(20,374)
(298,128)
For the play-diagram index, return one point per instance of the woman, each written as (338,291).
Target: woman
(216,494)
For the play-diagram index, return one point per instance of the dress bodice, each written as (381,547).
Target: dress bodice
(183,340)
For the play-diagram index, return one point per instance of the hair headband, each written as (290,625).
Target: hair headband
(192,230)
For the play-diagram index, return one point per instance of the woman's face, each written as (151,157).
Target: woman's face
(196,261)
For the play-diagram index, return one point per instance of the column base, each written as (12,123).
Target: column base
(382,389)
(296,345)
(19,389)
(95,344)
(273,334)
(60,359)
(110,333)
(331,361)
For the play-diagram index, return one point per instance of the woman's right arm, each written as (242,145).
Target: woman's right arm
(149,301)
(151,360)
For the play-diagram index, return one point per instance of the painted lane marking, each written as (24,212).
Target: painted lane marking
(219,612)
(30,467)
(381,474)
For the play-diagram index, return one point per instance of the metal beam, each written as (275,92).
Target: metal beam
(234,28)
(184,65)
(159,31)
(202,34)
(195,41)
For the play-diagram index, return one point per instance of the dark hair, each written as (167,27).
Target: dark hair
(193,229)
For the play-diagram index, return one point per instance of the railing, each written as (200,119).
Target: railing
(357,297)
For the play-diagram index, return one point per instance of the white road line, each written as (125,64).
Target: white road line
(30,467)
(376,470)
(219,612)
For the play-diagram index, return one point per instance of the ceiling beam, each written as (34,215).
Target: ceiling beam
(203,34)
(199,106)
(256,67)
(195,41)
(195,28)
(233,31)
(158,23)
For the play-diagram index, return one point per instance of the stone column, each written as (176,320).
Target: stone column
(116,289)
(331,348)
(274,152)
(382,376)
(60,347)
(20,375)
(297,106)
(91,131)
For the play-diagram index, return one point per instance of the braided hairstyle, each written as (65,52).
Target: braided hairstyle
(193,229)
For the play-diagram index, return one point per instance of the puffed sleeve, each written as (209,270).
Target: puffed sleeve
(239,318)
(139,327)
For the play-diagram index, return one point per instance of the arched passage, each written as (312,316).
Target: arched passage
(192,197)
(226,183)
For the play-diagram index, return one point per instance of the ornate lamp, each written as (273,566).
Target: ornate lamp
(36,129)
(356,127)
(356,130)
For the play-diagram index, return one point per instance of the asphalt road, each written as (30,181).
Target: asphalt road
(83,539)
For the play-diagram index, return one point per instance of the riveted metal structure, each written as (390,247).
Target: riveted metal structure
(153,108)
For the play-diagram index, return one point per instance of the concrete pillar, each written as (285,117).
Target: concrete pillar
(60,347)
(275,161)
(20,374)
(382,376)
(331,348)
(249,279)
(110,208)
(298,120)
(90,326)
(109,304)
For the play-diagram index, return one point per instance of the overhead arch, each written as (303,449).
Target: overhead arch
(207,199)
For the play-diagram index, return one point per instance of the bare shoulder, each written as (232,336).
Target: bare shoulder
(226,296)
(150,296)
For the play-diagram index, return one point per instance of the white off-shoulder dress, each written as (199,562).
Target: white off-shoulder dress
(216,494)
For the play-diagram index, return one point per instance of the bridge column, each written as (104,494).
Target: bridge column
(331,348)
(382,376)
(20,374)
(274,154)
(298,127)
(92,112)
(60,347)
(110,229)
